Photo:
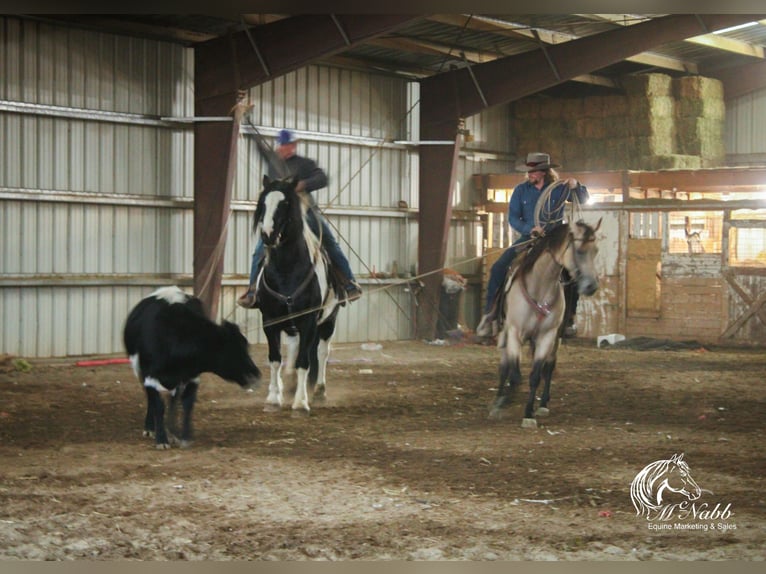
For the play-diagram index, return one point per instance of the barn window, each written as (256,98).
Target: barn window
(695,232)
(747,238)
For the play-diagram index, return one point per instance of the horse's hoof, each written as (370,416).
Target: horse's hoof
(148,433)
(320,395)
(271,408)
(300,413)
(542,412)
(186,443)
(162,446)
(528,423)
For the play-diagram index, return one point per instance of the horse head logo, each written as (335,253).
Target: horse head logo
(661,480)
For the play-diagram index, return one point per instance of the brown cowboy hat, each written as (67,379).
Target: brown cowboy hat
(537,161)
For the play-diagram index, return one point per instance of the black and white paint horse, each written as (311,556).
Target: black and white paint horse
(295,294)
(171,342)
(534,308)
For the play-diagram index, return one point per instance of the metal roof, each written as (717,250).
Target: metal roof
(435,43)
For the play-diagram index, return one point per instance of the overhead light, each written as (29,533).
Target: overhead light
(738,27)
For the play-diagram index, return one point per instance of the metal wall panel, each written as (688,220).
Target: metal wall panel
(746,128)
(81,137)
(95,201)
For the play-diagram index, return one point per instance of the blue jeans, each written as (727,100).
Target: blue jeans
(330,244)
(499,271)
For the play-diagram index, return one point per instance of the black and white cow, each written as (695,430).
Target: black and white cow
(170,342)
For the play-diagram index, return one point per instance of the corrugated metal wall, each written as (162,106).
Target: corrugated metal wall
(746,129)
(95,189)
(487,147)
(96,185)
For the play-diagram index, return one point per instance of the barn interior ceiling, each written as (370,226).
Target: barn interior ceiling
(428,45)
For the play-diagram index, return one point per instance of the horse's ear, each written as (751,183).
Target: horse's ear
(266,180)
(598,224)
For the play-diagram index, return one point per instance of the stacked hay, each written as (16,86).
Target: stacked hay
(700,117)
(660,123)
(651,122)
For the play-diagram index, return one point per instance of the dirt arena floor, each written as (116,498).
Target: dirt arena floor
(400,463)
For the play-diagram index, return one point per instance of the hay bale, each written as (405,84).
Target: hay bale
(651,85)
(669,161)
(653,145)
(693,107)
(617,127)
(615,106)
(654,107)
(698,88)
(702,137)
(527,108)
(551,108)
(572,108)
(656,127)
(590,128)
(593,107)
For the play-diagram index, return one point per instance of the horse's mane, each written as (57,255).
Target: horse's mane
(642,487)
(552,240)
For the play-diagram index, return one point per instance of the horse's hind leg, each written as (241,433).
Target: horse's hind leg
(320,356)
(320,380)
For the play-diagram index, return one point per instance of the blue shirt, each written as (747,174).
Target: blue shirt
(521,208)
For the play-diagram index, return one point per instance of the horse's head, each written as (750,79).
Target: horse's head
(678,479)
(580,258)
(278,210)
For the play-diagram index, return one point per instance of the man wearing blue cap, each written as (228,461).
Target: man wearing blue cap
(310,178)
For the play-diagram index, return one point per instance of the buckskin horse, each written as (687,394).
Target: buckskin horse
(534,308)
(295,294)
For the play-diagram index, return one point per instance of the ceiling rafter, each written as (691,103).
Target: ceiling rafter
(552,37)
(711,40)
(469,56)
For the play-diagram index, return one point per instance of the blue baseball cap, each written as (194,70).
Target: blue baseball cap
(286,137)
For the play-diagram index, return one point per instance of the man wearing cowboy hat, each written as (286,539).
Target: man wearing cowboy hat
(521,217)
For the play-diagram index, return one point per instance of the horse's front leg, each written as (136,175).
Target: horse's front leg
(542,367)
(274,398)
